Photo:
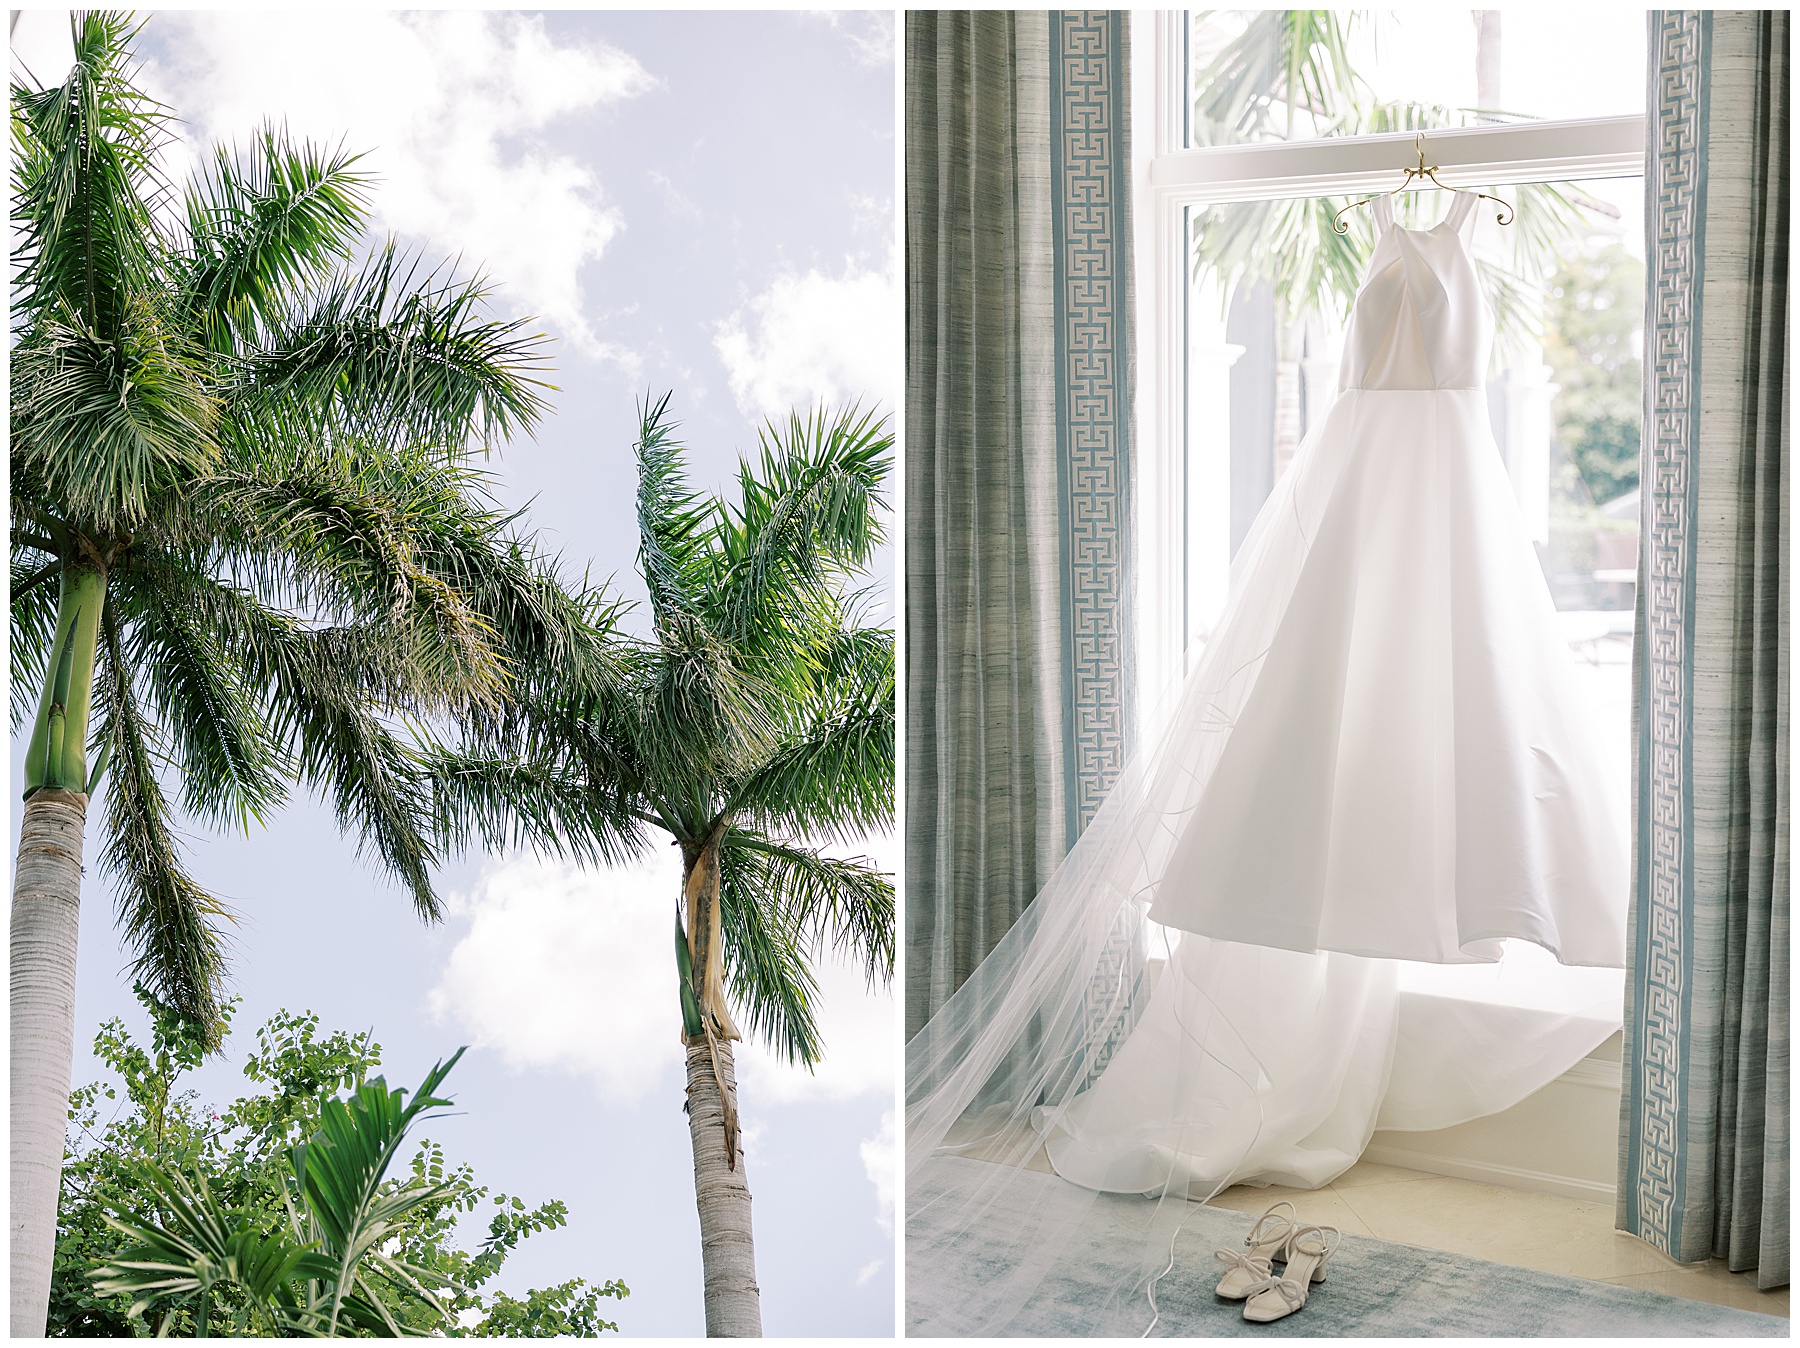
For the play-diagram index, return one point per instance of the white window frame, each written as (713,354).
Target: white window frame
(1168,178)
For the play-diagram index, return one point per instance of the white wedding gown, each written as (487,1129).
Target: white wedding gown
(1413,775)
(1381,756)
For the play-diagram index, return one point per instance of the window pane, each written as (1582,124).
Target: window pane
(1365,71)
(1271,286)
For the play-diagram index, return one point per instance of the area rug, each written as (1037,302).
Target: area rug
(1375,1288)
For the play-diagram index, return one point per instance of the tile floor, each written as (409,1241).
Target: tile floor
(1509,1226)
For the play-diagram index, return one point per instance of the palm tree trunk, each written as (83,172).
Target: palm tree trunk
(706,941)
(45,925)
(727,1250)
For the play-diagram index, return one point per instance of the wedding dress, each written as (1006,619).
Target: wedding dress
(1380,756)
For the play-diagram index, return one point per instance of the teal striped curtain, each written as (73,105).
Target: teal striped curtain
(1703,1169)
(1018,483)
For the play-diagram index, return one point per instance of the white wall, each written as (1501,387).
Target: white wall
(1562,1140)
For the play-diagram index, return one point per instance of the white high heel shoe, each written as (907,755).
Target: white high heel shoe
(1266,1243)
(1307,1250)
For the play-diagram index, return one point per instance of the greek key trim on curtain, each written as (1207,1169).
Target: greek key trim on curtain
(1019,667)
(1089,92)
(1703,1168)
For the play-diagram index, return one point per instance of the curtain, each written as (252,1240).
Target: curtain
(1018,644)
(1703,1168)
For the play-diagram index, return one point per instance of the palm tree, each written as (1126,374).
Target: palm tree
(326,1273)
(1289,69)
(756,722)
(248,541)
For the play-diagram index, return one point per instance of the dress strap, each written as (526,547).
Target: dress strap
(1461,208)
(1382,208)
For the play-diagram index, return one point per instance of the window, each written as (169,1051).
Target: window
(1469,66)
(1201,477)
(1228,381)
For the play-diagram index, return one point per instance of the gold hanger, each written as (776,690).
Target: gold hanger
(1504,215)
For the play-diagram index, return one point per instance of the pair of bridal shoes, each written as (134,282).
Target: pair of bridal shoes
(1276,1237)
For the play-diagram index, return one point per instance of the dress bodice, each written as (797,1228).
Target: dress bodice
(1419,321)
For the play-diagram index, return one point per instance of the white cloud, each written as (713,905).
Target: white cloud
(569,970)
(452,109)
(856,1022)
(858,1029)
(879,1157)
(813,337)
(42,47)
(872,216)
(868,33)
(867,1271)
(679,203)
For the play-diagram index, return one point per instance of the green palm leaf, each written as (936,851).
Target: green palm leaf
(672,519)
(808,515)
(343,1164)
(831,772)
(396,350)
(199,1245)
(100,421)
(167,920)
(505,801)
(767,969)
(1285,64)
(844,904)
(220,742)
(86,185)
(324,1272)
(263,443)
(260,223)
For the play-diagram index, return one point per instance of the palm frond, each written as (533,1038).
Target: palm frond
(262,224)
(349,537)
(369,773)
(846,904)
(832,774)
(365,532)
(766,970)
(326,1273)
(86,186)
(1284,65)
(1389,116)
(33,614)
(229,766)
(543,628)
(673,521)
(808,514)
(1517,261)
(1291,245)
(167,920)
(501,801)
(198,1245)
(396,352)
(341,1168)
(99,422)
(322,691)
(705,719)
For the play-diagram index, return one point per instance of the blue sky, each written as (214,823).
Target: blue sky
(700,202)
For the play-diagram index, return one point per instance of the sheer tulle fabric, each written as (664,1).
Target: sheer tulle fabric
(1380,756)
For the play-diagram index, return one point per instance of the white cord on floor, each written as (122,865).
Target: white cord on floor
(1150,1291)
